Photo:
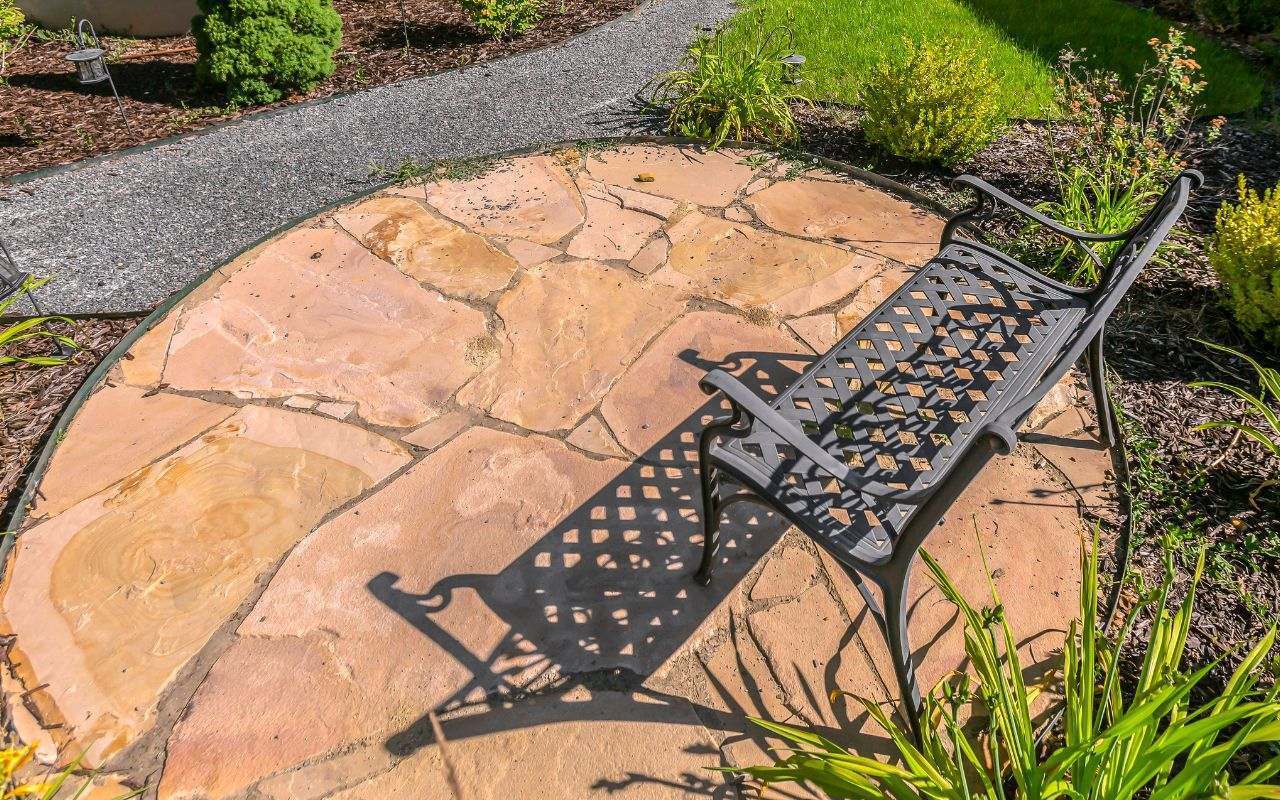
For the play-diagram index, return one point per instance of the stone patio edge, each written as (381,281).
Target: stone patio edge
(18,516)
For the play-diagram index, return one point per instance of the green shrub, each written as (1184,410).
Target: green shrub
(1111,745)
(1245,252)
(1245,16)
(261,50)
(499,18)
(732,89)
(932,104)
(12,20)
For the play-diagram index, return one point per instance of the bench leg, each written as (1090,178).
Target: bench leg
(711,508)
(894,588)
(1107,428)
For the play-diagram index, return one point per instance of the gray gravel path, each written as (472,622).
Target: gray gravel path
(123,233)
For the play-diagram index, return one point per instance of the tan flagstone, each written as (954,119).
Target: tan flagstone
(869,218)
(529,254)
(319,315)
(611,231)
(440,254)
(578,745)
(439,430)
(658,403)
(746,267)
(117,431)
(529,198)
(1074,449)
(569,333)
(661,207)
(493,560)
(738,214)
(706,178)
(785,574)
(869,297)
(652,256)
(111,598)
(818,331)
(594,437)
(144,362)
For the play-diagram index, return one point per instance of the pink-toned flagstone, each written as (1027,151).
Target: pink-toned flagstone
(134,580)
(861,215)
(530,198)
(235,574)
(398,354)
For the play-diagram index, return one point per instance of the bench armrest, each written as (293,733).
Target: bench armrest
(984,188)
(755,409)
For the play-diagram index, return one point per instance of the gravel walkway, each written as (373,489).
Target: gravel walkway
(122,233)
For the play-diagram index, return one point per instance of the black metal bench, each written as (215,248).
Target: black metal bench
(870,446)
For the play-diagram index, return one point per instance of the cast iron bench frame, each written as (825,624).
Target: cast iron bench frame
(873,442)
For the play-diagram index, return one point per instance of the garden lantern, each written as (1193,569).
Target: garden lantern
(91,63)
(791,67)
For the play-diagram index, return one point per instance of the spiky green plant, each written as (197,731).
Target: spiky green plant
(30,328)
(1260,404)
(730,89)
(1153,745)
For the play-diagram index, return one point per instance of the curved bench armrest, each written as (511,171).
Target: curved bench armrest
(984,188)
(757,410)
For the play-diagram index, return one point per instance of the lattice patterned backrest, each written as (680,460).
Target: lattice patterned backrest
(898,397)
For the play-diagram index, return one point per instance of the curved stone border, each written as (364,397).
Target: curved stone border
(95,377)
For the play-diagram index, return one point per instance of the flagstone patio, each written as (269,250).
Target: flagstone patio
(423,466)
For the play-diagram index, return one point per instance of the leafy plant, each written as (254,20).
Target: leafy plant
(932,103)
(13,759)
(1269,383)
(1245,252)
(499,18)
(732,89)
(1245,16)
(30,328)
(12,20)
(1153,745)
(261,50)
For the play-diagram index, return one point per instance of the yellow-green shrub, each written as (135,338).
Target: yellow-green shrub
(12,20)
(932,103)
(1245,252)
(499,18)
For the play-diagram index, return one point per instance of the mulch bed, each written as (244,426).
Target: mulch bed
(1207,477)
(32,398)
(48,118)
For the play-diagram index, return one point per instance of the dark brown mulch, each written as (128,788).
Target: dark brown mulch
(47,118)
(1197,486)
(31,398)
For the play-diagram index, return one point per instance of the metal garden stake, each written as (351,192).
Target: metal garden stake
(91,64)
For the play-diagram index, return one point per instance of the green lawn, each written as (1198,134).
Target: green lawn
(1020,38)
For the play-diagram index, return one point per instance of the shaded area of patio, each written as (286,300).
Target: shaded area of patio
(425,465)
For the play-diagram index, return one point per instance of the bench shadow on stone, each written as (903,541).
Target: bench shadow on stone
(607,596)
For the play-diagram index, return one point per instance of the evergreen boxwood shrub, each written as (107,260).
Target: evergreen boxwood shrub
(932,104)
(498,18)
(1245,252)
(1246,16)
(261,50)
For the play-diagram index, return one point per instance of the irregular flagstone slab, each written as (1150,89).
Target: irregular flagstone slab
(868,218)
(818,331)
(439,430)
(118,431)
(660,207)
(706,178)
(657,407)
(529,198)
(747,267)
(652,256)
(594,437)
(569,333)
(440,254)
(110,599)
(869,297)
(447,584)
(611,231)
(317,314)
(143,364)
(579,745)
(530,254)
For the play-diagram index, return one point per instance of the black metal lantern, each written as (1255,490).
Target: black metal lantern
(91,63)
(791,65)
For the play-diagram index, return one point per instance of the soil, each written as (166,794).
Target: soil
(47,118)
(1198,486)
(32,398)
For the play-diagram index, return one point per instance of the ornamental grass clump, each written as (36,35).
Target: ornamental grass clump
(1113,743)
(932,103)
(503,18)
(262,50)
(730,88)
(1245,253)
